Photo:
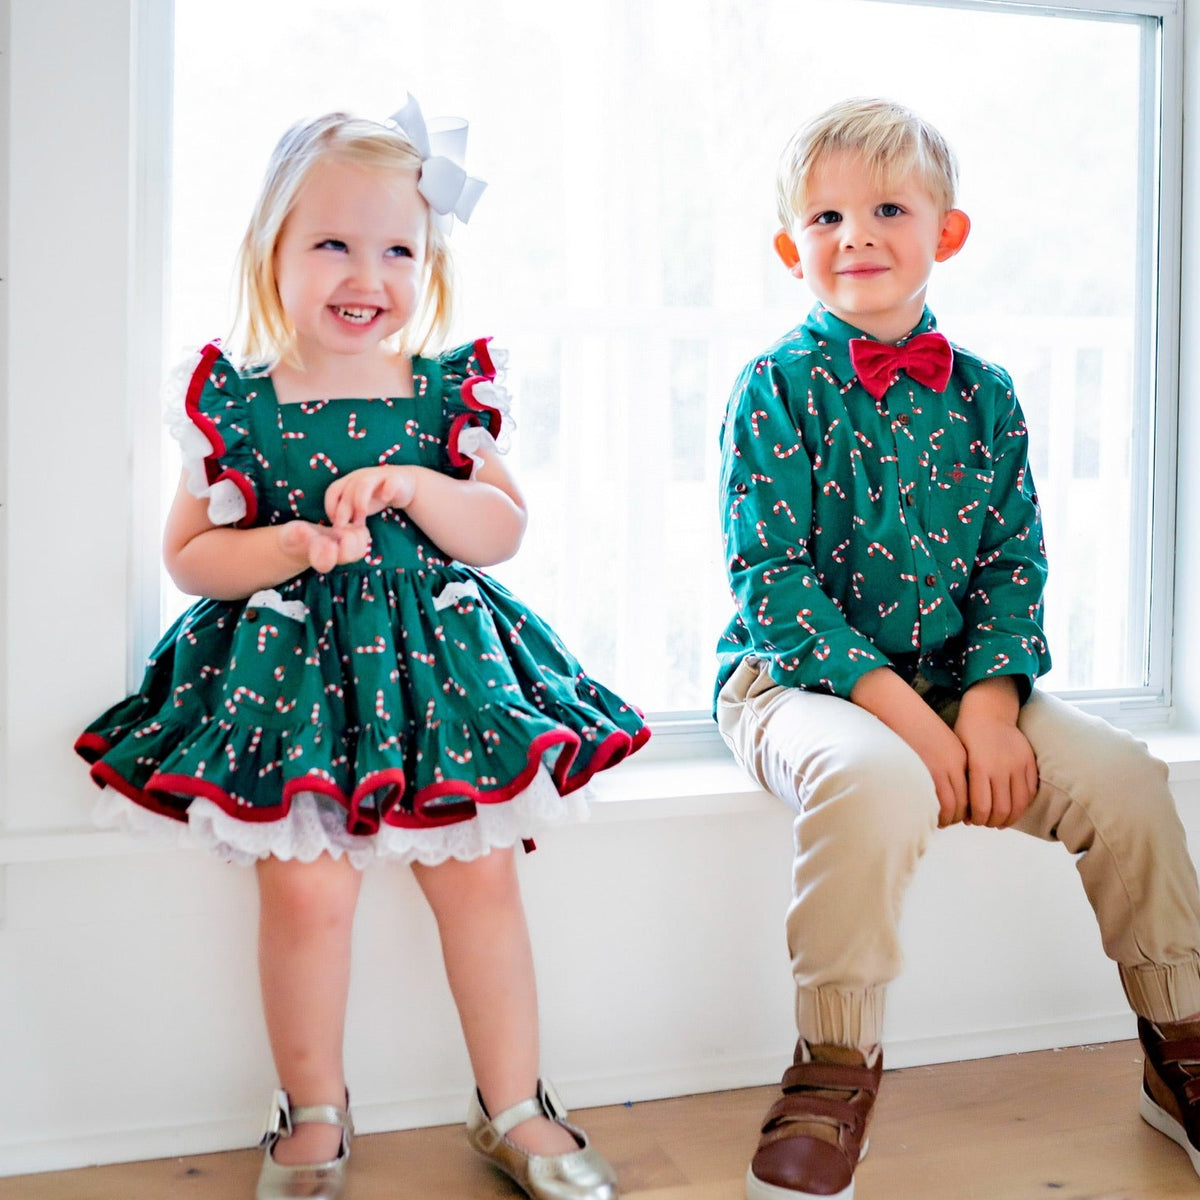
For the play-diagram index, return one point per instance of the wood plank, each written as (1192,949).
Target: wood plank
(1056,1124)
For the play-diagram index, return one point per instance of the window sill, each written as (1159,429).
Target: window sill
(695,779)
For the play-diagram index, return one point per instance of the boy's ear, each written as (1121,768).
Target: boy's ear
(788,254)
(955,227)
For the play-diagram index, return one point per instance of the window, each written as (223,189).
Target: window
(623,254)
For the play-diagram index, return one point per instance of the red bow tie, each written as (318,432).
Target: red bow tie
(927,358)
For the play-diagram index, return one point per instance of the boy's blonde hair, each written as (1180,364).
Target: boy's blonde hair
(892,139)
(263,335)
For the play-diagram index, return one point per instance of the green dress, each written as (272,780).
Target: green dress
(404,704)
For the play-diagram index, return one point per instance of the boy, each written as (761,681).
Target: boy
(884,547)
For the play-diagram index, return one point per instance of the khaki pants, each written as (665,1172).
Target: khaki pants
(865,809)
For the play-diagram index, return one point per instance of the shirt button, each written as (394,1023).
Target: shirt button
(908,499)
(904,418)
(930,580)
(739,488)
(251,614)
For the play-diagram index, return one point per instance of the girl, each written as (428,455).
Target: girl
(352,687)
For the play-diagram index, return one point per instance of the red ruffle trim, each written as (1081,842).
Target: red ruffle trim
(445,803)
(478,412)
(213,471)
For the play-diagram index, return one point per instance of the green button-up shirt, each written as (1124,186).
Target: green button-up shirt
(862,533)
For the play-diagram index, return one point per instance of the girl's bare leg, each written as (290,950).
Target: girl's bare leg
(305,920)
(489,964)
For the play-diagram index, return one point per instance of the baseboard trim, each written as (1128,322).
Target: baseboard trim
(128,1145)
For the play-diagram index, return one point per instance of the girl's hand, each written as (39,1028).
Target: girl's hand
(350,500)
(324,547)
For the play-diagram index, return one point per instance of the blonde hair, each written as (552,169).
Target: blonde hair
(262,334)
(892,139)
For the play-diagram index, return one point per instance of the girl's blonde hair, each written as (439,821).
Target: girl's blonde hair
(892,139)
(262,334)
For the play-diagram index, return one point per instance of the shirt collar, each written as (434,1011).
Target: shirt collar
(830,337)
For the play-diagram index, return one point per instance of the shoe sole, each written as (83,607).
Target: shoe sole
(1158,1117)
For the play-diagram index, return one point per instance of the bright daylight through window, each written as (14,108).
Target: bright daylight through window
(623,255)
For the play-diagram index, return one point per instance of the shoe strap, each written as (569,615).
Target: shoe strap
(282,1118)
(545,1104)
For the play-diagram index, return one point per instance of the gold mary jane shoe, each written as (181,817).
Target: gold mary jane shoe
(577,1175)
(305,1181)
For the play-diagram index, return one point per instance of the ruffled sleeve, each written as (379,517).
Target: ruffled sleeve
(207,412)
(476,403)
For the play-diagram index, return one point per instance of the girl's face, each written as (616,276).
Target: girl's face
(350,259)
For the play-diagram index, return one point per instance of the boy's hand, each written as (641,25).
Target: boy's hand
(1002,769)
(883,693)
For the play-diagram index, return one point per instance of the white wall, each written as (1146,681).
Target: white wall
(129,1021)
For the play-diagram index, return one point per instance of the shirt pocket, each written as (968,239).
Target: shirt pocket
(959,493)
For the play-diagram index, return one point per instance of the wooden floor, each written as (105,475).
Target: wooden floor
(1056,1124)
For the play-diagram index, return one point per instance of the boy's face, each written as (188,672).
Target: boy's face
(867,249)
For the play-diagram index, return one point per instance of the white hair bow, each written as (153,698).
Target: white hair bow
(442,145)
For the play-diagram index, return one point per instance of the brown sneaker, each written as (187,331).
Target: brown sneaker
(1171,1082)
(816,1132)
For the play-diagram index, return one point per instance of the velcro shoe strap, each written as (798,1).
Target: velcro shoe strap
(809,1108)
(1186,1050)
(830,1076)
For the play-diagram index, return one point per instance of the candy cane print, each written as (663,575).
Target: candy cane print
(352,429)
(267,631)
(759,526)
(255,740)
(887,610)
(780,452)
(879,548)
(391,742)
(811,406)
(244,692)
(461,759)
(377,646)
(989,559)
(854,653)
(758,412)
(267,768)
(837,552)
(146,730)
(874,494)
(819,372)
(390,451)
(293,435)
(1000,662)
(324,460)
(1019,577)
(491,739)
(926,609)
(231,754)
(822,651)
(294,752)
(783,506)
(454,685)
(309,407)
(427,659)
(314,717)
(934,437)
(828,436)
(802,620)
(430,708)
(968,394)
(514,634)
(907,577)
(284,706)
(178,692)
(834,486)
(756,477)
(966,508)
(380,710)
(943,536)
(855,579)
(260,458)
(292,496)
(761,616)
